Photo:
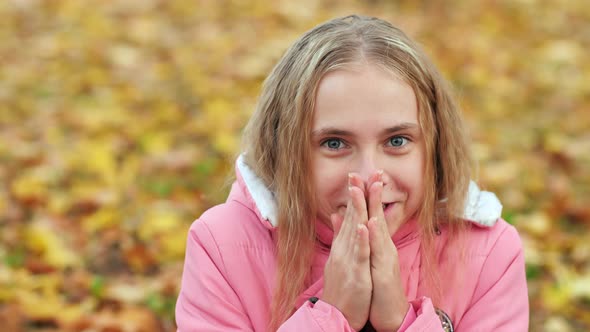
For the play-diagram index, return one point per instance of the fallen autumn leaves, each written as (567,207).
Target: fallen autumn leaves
(118,127)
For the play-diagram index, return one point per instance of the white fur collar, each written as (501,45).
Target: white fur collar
(482,207)
(263,198)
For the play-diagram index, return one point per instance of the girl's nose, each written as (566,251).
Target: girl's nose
(367,168)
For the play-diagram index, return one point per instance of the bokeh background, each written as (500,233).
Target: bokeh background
(120,122)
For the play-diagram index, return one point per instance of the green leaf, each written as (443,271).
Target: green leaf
(532,271)
(15,259)
(161,188)
(97,286)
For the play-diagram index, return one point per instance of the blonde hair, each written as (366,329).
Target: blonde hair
(278,140)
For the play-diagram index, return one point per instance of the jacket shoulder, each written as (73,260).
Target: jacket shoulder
(501,236)
(232,223)
(492,268)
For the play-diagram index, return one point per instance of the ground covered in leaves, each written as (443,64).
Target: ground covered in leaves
(120,120)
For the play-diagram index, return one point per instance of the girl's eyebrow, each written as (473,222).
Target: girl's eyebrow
(340,132)
(331,131)
(400,127)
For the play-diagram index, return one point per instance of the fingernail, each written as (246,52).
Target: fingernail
(350,175)
(349,188)
(380,172)
(358,230)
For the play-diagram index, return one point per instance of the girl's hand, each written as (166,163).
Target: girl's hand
(388,302)
(347,275)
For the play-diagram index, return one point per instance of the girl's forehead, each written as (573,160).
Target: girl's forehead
(365,94)
(357,78)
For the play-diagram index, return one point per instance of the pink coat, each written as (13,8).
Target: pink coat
(230,267)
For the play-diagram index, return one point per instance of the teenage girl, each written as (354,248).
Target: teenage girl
(352,208)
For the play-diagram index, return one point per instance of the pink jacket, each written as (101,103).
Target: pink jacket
(230,267)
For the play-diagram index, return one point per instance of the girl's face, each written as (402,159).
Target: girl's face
(366,120)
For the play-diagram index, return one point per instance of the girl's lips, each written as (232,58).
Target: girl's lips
(387,207)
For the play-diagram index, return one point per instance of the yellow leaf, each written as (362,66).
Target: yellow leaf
(7,289)
(124,56)
(158,220)
(39,296)
(555,142)
(220,115)
(562,51)
(101,158)
(29,185)
(556,297)
(556,324)
(96,157)
(156,143)
(39,306)
(144,30)
(173,244)
(40,237)
(226,143)
(73,312)
(531,250)
(537,223)
(101,219)
(500,173)
(58,203)
(126,292)
(2,203)
(581,286)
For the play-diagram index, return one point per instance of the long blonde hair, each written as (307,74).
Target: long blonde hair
(277,140)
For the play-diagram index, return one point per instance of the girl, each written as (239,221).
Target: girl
(352,209)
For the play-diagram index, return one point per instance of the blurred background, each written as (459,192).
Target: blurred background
(120,122)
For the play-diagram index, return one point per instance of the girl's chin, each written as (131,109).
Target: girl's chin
(394,219)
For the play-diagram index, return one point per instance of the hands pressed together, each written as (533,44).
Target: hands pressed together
(362,275)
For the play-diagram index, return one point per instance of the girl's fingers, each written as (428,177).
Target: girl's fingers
(376,206)
(346,230)
(375,238)
(383,251)
(363,250)
(377,225)
(376,177)
(356,210)
(359,204)
(375,201)
(355,180)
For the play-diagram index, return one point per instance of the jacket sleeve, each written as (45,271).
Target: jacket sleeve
(500,299)
(320,317)
(206,301)
(421,317)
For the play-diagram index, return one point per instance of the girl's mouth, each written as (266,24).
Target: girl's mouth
(387,206)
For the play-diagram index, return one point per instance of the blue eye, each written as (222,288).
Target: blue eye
(398,141)
(333,144)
